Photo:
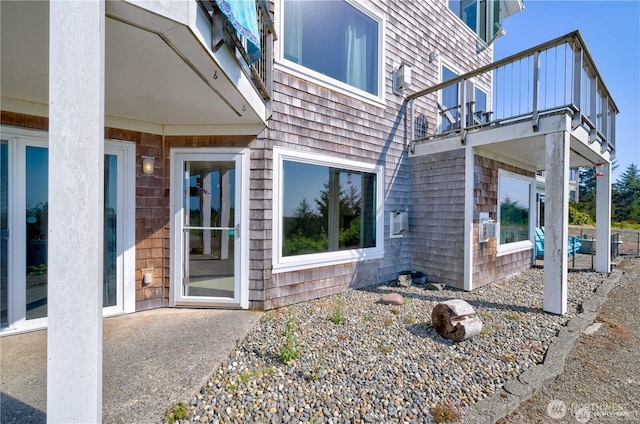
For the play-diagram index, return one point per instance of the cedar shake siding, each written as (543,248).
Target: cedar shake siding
(309,117)
(436,225)
(487,266)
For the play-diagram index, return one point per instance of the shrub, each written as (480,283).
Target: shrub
(579,218)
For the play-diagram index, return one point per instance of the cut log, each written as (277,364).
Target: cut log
(455,319)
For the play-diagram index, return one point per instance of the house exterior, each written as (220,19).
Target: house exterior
(229,185)
(283,181)
(166,161)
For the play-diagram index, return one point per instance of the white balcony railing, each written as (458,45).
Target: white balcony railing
(557,75)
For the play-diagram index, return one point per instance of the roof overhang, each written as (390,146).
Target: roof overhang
(160,75)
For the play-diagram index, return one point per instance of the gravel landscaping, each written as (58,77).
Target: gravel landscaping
(351,359)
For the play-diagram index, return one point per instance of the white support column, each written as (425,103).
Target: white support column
(603,220)
(556,221)
(76,191)
(225,210)
(469,207)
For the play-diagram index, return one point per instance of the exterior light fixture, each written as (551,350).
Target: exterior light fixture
(433,55)
(148,163)
(501,32)
(401,78)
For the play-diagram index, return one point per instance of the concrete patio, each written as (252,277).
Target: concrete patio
(151,360)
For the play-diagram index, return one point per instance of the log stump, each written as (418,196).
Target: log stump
(455,319)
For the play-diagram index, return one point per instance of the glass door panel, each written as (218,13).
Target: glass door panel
(4,233)
(110,265)
(36,183)
(208,229)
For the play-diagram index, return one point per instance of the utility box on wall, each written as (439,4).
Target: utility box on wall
(487,228)
(399,223)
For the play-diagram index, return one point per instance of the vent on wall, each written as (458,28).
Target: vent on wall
(399,223)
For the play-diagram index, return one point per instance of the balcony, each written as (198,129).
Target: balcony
(552,79)
(162,75)
(222,33)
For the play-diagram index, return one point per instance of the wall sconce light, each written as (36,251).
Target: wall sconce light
(401,78)
(148,163)
(501,32)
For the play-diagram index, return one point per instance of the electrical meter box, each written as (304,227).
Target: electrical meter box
(487,228)
(400,222)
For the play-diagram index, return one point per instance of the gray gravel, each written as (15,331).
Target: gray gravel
(362,361)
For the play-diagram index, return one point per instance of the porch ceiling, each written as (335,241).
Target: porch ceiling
(520,143)
(156,71)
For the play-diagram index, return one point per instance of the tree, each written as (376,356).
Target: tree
(626,195)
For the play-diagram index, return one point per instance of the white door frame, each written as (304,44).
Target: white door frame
(18,139)
(241,253)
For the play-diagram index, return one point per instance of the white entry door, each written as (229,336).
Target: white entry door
(209,267)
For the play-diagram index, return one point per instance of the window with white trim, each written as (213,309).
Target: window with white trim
(328,210)
(336,40)
(514,211)
(482,16)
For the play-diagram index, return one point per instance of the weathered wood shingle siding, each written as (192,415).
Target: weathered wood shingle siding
(436,222)
(310,117)
(487,266)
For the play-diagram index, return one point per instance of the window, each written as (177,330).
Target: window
(514,211)
(24,164)
(336,40)
(482,16)
(328,210)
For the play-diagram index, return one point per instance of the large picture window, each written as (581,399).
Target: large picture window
(334,39)
(514,210)
(328,210)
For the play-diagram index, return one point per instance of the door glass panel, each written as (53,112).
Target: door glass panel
(208,231)
(37,174)
(4,232)
(110,275)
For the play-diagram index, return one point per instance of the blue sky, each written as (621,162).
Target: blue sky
(611,32)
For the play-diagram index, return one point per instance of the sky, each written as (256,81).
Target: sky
(611,32)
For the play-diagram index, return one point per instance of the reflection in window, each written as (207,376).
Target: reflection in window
(327,209)
(514,197)
(37,213)
(110,269)
(482,16)
(335,39)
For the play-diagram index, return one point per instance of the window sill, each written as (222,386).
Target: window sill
(317,260)
(507,249)
(330,83)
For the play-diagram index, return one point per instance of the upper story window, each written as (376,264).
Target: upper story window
(334,39)
(482,16)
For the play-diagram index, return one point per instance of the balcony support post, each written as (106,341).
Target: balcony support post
(603,219)
(412,116)
(604,108)
(577,86)
(463,110)
(536,89)
(556,219)
(76,211)
(593,106)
